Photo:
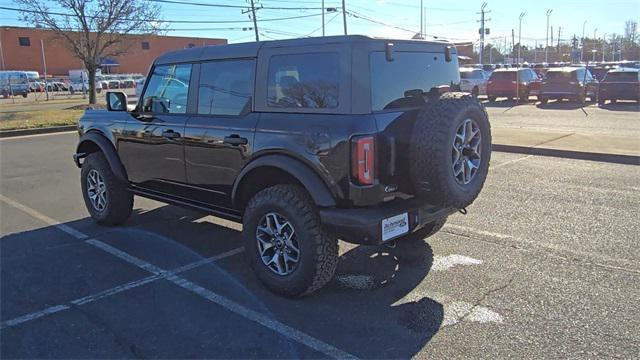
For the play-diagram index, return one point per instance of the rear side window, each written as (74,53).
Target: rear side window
(390,80)
(304,81)
(168,89)
(225,87)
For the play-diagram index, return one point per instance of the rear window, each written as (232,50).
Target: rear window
(408,71)
(304,81)
(503,75)
(471,74)
(622,76)
(560,75)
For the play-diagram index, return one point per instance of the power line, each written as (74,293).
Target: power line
(231,6)
(163,21)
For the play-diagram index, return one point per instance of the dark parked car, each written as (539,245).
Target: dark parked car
(299,141)
(513,84)
(571,83)
(620,84)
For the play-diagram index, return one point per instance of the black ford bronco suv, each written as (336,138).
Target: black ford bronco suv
(304,141)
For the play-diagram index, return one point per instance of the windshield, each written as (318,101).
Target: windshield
(622,77)
(408,71)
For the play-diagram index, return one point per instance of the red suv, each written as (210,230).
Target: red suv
(513,84)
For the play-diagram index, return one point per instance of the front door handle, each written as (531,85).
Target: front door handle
(235,140)
(170,134)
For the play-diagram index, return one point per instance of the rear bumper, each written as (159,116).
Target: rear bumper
(364,225)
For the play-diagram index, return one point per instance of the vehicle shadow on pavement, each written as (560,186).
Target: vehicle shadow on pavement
(622,106)
(372,308)
(561,105)
(504,103)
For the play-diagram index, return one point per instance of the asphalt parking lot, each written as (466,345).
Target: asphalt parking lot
(546,264)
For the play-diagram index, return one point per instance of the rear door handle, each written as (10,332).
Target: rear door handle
(170,134)
(235,140)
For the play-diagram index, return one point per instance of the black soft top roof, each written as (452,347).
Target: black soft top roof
(248,50)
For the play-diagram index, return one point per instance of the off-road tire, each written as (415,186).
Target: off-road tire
(318,250)
(432,140)
(119,198)
(426,231)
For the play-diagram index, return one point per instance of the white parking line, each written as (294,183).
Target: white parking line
(442,263)
(118,289)
(226,303)
(44,218)
(33,316)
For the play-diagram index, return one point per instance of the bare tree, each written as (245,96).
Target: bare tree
(94,29)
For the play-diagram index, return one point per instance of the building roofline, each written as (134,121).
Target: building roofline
(134,35)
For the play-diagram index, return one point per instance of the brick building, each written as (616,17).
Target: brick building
(20,49)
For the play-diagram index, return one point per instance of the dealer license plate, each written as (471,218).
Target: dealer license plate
(395,226)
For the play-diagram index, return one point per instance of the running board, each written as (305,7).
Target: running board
(228,214)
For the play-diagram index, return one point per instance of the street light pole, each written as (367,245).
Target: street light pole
(520,36)
(546,48)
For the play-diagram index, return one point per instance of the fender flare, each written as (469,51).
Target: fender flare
(305,175)
(107,149)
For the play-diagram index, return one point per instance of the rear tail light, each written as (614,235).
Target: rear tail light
(363,160)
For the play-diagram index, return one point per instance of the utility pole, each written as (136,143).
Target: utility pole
(344,16)
(546,47)
(421,19)
(520,36)
(255,21)
(482,31)
(535,53)
(424,11)
(559,34)
(551,36)
(604,42)
(323,18)
(513,45)
(582,47)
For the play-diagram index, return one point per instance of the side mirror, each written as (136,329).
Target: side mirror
(116,101)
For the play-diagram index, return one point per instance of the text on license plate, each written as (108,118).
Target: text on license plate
(394,226)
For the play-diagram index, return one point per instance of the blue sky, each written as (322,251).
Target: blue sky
(456,20)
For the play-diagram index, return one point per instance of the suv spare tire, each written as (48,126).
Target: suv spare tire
(450,150)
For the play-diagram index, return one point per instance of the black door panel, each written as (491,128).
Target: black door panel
(153,152)
(216,149)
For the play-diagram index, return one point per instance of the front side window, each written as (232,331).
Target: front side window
(168,89)
(304,81)
(225,87)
